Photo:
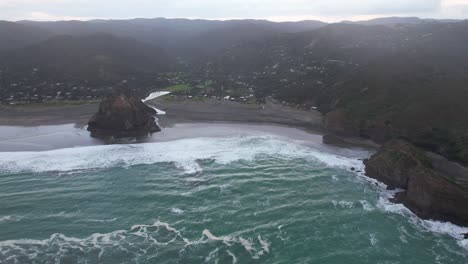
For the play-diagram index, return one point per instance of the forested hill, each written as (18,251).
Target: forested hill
(179,35)
(381,79)
(97,58)
(380,82)
(16,35)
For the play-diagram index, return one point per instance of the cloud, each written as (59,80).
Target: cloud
(328,10)
(41,16)
(454,9)
(31,2)
(378,6)
(454,2)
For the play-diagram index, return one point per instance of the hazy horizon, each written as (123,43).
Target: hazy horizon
(275,10)
(233,19)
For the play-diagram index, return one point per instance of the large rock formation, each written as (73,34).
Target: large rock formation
(428,191)
(122,116)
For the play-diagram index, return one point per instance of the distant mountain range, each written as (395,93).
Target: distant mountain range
(173,34)
(393,21)
(169,34)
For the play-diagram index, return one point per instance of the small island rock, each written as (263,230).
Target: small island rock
(123,116)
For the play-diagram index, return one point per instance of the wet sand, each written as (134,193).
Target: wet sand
(43,114)
(44,127)
(225,111)
(176,112)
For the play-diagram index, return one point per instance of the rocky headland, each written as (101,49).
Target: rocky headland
(423,156)
(433,187)
(123,116)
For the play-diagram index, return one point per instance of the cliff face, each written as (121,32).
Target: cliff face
(428,192)
(122,116)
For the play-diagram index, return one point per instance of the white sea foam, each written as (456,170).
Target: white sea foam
(225,239)
(101,220)
(446,228)
(265,248)
(343,204)
(234,258)
(183,153)
(246,244)
(366,205)
(463,243)
(373,239)
(9,218)
(177,211)
(280,235)
(265,244)
(159,234)
(212,255)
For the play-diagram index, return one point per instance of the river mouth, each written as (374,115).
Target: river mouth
(227,194)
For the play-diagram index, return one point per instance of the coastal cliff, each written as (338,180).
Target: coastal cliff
(423,156)
(429,191)
(122,116)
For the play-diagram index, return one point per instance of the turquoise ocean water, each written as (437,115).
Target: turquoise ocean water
(225,199)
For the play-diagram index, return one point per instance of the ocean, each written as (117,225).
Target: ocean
(226,197)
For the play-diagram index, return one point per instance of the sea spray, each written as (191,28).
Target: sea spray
(235,199)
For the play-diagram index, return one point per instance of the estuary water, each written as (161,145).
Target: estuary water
(230,197)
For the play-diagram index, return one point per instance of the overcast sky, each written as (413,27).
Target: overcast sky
(276,10)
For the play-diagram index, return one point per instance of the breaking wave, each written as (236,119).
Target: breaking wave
(139,243)
(145,241)
(384,203)
(183,153)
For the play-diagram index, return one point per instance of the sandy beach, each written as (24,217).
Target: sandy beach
(44,127)
(176,112)
(44,114)
(226,111)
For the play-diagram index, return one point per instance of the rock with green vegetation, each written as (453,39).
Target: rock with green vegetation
(428,192)
(122,116)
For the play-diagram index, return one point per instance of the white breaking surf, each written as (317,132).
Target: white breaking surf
(183,153)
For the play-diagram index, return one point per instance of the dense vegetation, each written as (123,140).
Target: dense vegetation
(379,79)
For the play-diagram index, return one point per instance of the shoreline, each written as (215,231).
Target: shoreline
(177,112)
(195,119)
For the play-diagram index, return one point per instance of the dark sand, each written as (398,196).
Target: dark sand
(176,112)
(44,127)
(43,114)
(225,111)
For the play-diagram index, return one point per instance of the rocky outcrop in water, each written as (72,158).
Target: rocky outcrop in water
(428,191)
(122,116)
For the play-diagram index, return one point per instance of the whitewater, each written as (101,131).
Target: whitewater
(225,198)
